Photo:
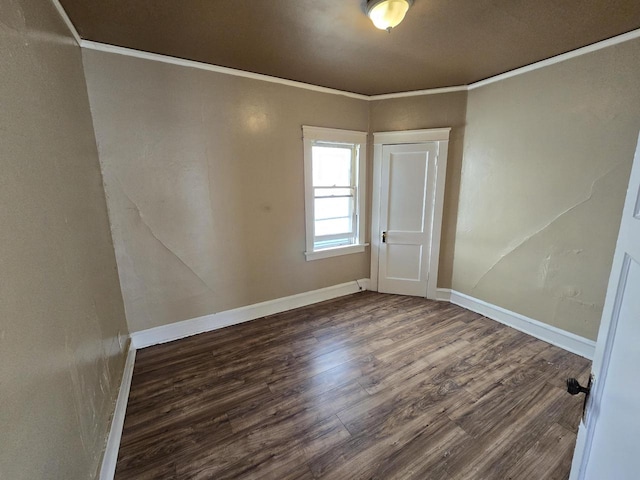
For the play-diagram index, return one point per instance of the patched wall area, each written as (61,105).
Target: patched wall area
(205,186)
(63,332)
(547,157)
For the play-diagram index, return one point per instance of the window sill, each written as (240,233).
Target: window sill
(335,251)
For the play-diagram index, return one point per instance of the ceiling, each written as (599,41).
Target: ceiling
(332,43)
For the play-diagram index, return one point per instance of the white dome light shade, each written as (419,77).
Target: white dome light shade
(386,14)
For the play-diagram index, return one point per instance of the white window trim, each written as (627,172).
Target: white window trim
(332,135)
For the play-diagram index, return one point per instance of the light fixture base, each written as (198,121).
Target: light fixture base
(387,14)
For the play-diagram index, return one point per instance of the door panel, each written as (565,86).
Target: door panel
(407,191)
(404,261)
(406,216)
(607,445)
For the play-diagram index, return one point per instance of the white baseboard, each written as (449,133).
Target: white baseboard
(548,333)
(443,294)
(110,457)
(214,321)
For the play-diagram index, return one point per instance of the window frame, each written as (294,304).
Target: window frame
(332,136)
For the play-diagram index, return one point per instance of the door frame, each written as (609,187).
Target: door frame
(441,137)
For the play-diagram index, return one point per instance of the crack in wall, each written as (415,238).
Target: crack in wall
(548,224)
(153,234)
(573,299)
(582,316)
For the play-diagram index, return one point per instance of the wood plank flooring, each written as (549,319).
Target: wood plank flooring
(369,386)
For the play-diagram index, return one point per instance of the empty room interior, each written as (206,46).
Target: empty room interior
(318,239)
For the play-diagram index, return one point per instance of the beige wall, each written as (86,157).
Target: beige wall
(432,111)
(546,163)
(61,310)
(203,174)
(204,181)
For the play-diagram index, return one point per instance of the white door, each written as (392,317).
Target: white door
(608,447)
(407,195)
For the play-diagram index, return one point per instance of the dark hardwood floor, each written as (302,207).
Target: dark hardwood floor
(367,386)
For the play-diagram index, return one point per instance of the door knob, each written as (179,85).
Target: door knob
(574,388)
(384,237)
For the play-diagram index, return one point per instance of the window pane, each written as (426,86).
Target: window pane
(333,226)
(333,192)
(332,208)
(331,166)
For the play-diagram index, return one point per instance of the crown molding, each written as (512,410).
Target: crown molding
(609,42)
(156,57)
(103,47)
(416,93)
(67,20)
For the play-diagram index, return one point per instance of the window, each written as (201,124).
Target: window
(334,170)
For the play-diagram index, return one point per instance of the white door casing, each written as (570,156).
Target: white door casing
(408,195)
(608,444)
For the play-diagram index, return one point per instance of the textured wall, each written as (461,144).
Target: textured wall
(432,111)
(204,181)
(61,310)
(203,175)
(546,163)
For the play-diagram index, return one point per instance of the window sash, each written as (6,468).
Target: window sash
(324,244)
(337,187)
(349,236)
(334,236)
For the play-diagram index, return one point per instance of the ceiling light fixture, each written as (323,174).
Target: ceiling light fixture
(387,14)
